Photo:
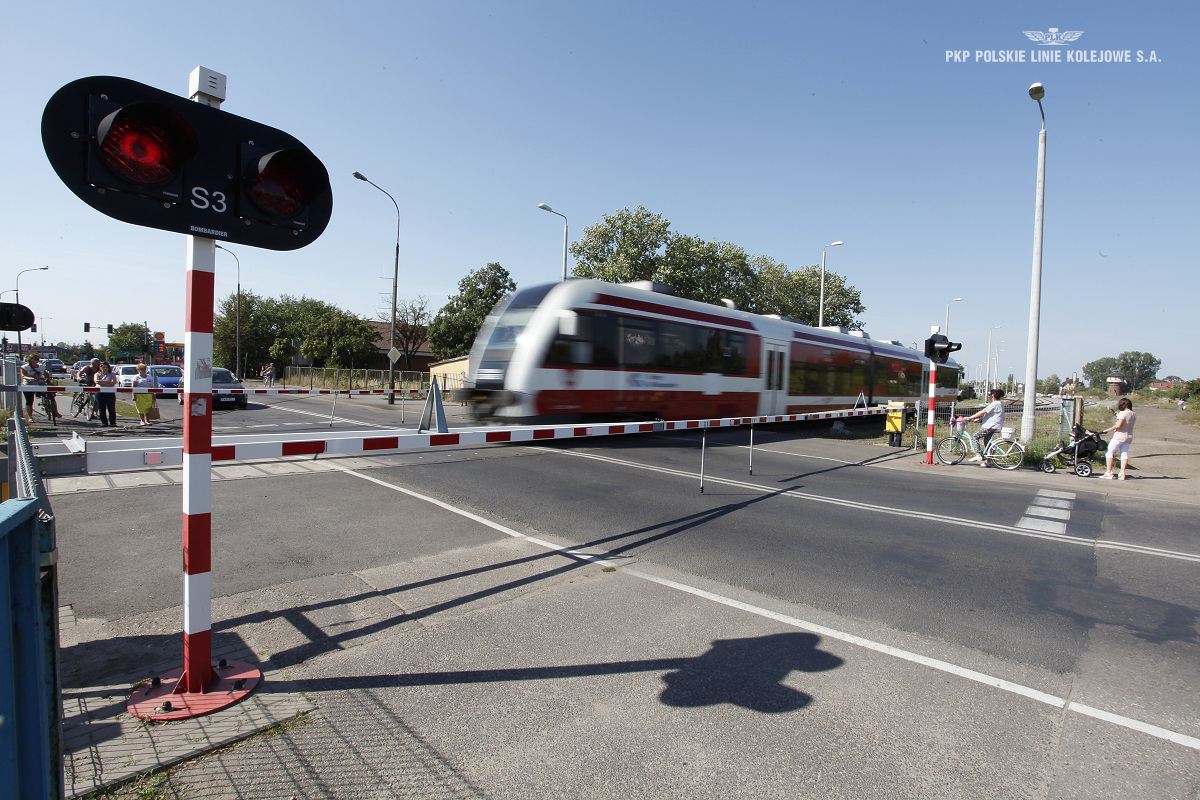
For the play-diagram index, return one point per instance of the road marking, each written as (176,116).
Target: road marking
(849,638)
(1033,530)
(1046,507)
(281,407)
(1049,513)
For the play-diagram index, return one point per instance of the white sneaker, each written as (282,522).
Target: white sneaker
(976,459)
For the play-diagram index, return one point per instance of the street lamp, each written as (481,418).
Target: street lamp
(17,291)
(996,360)
(988,374)
(946,330)
(1037,92)
(545,207)
(821,306)
(237,331)
(395,279)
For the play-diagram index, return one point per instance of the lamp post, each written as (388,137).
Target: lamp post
(946,330)
(821,305)
(17,291)
(42,331)
(545,207)
(1037,92)
(996,360)
(237,330)
(395,279)
(988,374)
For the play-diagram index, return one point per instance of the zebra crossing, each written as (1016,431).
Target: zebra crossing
(1049,512)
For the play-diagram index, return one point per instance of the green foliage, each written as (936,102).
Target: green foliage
(1096,372)
(455,326)
(282,352)
(626,246)
(639,245)
(412,327)
(129,336)
(1139,368)
(1049,385)
(330,336)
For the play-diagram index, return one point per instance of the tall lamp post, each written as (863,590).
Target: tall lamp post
(237,330)
(988,374)
(545,207)
(395,280)
(1037,92)
(17,291)
(946,330)
(996,361)
(821,305)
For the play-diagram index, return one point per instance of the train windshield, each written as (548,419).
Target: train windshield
(504,325)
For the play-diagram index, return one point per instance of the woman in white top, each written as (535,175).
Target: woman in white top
(1122,437)
(993,419)
(142,401)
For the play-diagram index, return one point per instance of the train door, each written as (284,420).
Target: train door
(774,371)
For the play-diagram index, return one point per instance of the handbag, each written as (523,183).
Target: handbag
(152,412)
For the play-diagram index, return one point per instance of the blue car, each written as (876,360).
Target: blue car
(165,376)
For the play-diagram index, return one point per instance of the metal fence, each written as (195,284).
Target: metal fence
(334,378)
(30,692)
(1050,423)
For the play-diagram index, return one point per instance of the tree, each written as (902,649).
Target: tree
(796,293)
(626,246)
(1049,385)
(1139,368)
(130,337)
(708,271)
(455,326)
(412,327)
(1097,372)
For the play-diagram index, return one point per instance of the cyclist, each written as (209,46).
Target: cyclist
(87,377)
(34,374)
(993,419)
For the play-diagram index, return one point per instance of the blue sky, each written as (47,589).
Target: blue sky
(780,127)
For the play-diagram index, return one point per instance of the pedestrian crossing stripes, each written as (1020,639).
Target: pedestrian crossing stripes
(1048,512)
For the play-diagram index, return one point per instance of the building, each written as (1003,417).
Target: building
(383,342)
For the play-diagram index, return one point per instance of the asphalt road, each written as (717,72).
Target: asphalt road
(833,625)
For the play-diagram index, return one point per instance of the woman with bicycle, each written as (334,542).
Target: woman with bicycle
(34,374)
(993,419)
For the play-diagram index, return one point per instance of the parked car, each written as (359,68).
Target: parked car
(55,365)
(166,376)
(223,382)
(78,365)
(125,374)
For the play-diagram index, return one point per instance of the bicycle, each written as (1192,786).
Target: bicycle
(50,408)
(1002,451)
(84,402)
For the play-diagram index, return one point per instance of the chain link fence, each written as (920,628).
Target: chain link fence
(334,378)
(1051,422)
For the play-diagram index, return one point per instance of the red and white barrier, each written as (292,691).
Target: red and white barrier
(103,456)
(28,388)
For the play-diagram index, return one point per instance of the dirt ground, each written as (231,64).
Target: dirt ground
(1163,447)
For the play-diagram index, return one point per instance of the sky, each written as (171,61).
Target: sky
(777,126)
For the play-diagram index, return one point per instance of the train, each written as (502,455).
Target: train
(591,350)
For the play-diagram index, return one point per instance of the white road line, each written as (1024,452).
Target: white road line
(1060,495)
(1053,502)
(868,644)
(1049,513)
(1055,535)
(1043,525)
(281,407)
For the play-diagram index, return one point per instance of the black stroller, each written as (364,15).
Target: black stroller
(1076,453)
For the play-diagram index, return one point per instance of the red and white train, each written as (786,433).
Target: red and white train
(590,349)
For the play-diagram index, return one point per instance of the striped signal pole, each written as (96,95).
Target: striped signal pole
(932,411)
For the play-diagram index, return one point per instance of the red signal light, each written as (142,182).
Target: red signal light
(145,145)
(282,184)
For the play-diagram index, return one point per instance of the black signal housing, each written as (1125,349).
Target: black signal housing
(148,157)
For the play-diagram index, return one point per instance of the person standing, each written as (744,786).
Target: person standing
(106,402)
(143,402)
(1122,433)
(34,374)
(993,419)
(268,374)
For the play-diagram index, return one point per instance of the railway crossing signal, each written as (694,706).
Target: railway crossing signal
(148,157)
(938,348)
(15,317)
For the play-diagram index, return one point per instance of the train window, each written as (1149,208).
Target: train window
(678,348)
(637,343)
(733,353)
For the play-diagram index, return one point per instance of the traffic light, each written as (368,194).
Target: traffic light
(110,328)
(87,327)
(938,348)
(148,157)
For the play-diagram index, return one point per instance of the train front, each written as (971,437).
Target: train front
(502,355)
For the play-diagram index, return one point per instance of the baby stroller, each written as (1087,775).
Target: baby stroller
(1076,453)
